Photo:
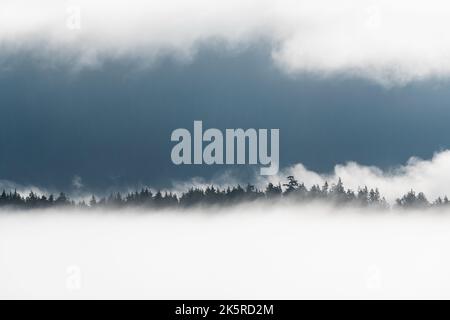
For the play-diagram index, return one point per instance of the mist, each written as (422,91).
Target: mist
(251,251)
(429,176)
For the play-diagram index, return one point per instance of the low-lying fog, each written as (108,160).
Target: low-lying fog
(247,252)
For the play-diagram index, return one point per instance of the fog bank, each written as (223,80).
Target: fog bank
(247,252)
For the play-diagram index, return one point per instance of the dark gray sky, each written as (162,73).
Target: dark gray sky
(111,125)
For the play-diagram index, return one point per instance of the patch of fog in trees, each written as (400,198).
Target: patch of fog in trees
(292,191)
(260,250)
(417,184)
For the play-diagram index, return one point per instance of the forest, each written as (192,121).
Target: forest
(292,190)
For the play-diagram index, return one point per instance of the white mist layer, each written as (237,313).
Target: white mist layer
(388,41)
(249,252)
(430,176)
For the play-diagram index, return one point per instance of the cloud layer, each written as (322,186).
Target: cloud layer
(392,42)
(300,252)
(429,176)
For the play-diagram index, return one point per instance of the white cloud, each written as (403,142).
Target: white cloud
(388,41)
(429,176)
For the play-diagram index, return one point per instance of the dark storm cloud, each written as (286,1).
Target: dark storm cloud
(111,126)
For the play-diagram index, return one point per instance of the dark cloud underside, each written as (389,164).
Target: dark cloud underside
(111,126)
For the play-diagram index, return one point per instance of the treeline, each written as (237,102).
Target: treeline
(292,190)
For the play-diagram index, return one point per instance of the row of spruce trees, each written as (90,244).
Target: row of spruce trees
(292,190)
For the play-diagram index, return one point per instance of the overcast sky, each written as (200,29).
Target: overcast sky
(91,102)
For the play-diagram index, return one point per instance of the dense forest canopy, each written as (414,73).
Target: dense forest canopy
(291,190)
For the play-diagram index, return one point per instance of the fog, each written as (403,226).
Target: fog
(429,176)
(252,251)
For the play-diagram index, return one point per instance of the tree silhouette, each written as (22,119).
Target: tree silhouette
(231,195)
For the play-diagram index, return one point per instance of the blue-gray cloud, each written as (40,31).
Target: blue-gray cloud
(112,126)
